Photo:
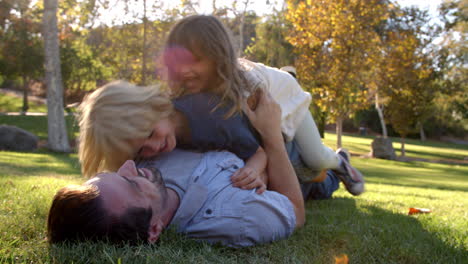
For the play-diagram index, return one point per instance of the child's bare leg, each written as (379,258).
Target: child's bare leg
(313,152)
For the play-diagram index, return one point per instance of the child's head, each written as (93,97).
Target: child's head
(112,118)
(203,38)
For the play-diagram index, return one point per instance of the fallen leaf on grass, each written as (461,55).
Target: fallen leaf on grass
(341,259)
(414,210)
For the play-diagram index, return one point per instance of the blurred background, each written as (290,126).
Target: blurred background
(374,67)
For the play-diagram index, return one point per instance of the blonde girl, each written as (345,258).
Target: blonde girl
(200,57)
(111,118)
(121,121)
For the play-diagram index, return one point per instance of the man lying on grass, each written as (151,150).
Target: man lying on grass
(191,191)
(194,193)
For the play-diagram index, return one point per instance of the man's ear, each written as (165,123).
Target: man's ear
(155,229)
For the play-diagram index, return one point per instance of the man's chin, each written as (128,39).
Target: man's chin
(156,176)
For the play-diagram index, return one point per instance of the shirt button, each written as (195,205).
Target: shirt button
(196,179)
(208,211)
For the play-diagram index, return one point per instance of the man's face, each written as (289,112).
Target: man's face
(131,187)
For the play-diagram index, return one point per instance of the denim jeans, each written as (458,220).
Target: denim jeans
(313,190)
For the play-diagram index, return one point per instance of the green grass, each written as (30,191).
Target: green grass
(414,148)
(38,124)
(9,103)
(371,228)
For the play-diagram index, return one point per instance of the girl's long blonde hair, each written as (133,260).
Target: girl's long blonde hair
(207,35)
(111,117)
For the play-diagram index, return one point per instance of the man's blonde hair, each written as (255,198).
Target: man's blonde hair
(111,117)
(207,35)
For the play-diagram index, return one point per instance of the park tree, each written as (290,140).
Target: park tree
(119,49)
(82,67)
(190,7)
(144,47)
(271,48)
(377,78)
(334,41)
(395,31)
(21,45)
(240,12)
(452,100)
(269,45)
(409,79)
(240,19)
(146,31)
(57,132)
(129,45)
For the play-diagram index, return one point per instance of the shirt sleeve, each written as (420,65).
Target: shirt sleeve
(217,212)
(258,219)
(268,217)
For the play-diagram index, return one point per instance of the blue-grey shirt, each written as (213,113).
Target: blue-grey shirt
(212,210)
(211,130)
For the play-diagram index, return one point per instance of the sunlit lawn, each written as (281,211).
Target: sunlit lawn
(38,124)
(371,228)
(432,150)
(9,103)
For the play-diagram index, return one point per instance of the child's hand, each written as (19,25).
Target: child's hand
(248,178)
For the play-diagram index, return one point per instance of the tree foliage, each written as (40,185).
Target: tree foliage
(82,67)
(21,46)
(346,52)
(408,70)
(269,45)
(335,41)
(452,100)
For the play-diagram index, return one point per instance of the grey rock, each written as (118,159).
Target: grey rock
(382,148)
(17,139)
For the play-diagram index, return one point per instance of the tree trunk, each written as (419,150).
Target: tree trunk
(321,124)
(339,131)
(241,29)
(403,146)
(422,134)
(25,96)
(379,109)
(143,59)
(241,36)
(213,6)
(57,132)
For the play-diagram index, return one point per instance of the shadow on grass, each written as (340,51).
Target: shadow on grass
(370,234)
(367,234)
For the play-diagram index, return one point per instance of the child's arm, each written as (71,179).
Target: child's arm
(253,174)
